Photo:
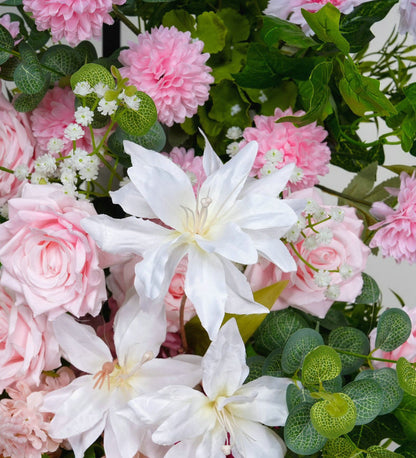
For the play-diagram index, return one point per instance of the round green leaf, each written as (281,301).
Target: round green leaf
(276,329)
(27,102)
(334,385)
(321,364)
(273,364)
(368,399)
(137,122)
(93,74)
(297,347)
(393,329)
(211,29)
(29,78)
(296,396)
(6,43)
(334,417)
(392,392)
(353,340)
(406,375)
(60,60)
(376,451)
(370,293)
(299,434)
(338,448)
(86,52)
(255,365)
(7,68)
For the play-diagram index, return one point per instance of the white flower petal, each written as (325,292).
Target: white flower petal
(275,251)
(229,241)
(206,289)
(132,202)
(210,161)
(124,236)
(224,364)
(81,442)
(271,185)
(137,332)
(269,406)
(80,344)
(224,185)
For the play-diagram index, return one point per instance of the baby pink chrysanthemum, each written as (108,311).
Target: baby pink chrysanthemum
(396,234)
(293,8)
(74,20)
(190,164)
(52,116)
(284,143)
(170,67)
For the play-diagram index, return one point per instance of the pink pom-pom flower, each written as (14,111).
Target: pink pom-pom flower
(170,67)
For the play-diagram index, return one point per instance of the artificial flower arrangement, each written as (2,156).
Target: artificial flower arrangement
(173,282)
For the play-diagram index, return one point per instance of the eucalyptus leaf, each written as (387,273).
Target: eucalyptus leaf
(6,44)
(393,329)
(406,375)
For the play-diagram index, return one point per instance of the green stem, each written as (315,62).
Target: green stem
(368,357)
(125,20)
(341,195)
(302,258)
(4,169)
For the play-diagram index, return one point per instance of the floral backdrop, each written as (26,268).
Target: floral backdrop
(174,279)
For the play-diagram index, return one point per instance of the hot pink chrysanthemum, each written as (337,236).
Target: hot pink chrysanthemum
(170,67)
(74,20)
(52,116)
(396,234)
(190,164)
(284,143)
(293,8)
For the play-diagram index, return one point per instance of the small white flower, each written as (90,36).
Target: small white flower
(84,116)
(234,133)
(4,210)
(82,88)
(68,176)
(78,158)
(21,172)
(267,169)
(107,107)
(232,149)
(292,234)
(100,89)
(55,145)
(274,156)
(346,271)
(89,169)
(69,190)
(74,132)
(301,222)
(322,278)
(132,102)
(320,214)
(124,181)
(325,236)
(337,214)
(38,178)
(310,243)
(311,207)
(45,164)
(332,292)
(263,97)
(297,175)
(235,109)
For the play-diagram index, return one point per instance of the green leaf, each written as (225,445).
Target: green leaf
(321,364)
(255,365)
(362,183)
(273,364)
(387,378)
(338,448)
(406,374)
(355,27)
(7,68)
(299,434)
(137,122)
(297,347)
(60,60)
(276,329)
(376,451)
(225,64)
(406,414)
(12,3)
(275,29)
(296,396)
(228,107)
(353,340)
(393,329)
(210,28)
(29,78)
(86,52)
(370,293)
(362,94)
(407,449)
(181,19)
(27,102)
(367,395)
(238,27)
(325,23)
(265,67)
(6,44)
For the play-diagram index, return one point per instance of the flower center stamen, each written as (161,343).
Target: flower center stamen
(195,220)
(105,372)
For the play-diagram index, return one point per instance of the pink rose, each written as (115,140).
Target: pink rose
(48,259)
(344,250)
(16,148)
(407,350)
(27,344)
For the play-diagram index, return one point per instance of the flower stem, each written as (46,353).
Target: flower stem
(5,169)
(368,357)
(125,20)
(182,324)
(332,192)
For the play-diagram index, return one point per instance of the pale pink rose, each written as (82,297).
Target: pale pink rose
(303,146)
(52,116)
(23,427)
(190,164)
(121,280)
(292,9)
(170,67)
(27,344)
(48,259)
(408,17)
(16,148)
(74,20)
(345,249)
(396,233)
(406,350)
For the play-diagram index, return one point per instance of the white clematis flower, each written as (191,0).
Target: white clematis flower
(229,417)
(92,403)
(231,220)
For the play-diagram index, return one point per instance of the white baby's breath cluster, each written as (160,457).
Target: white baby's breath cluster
(273,159)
